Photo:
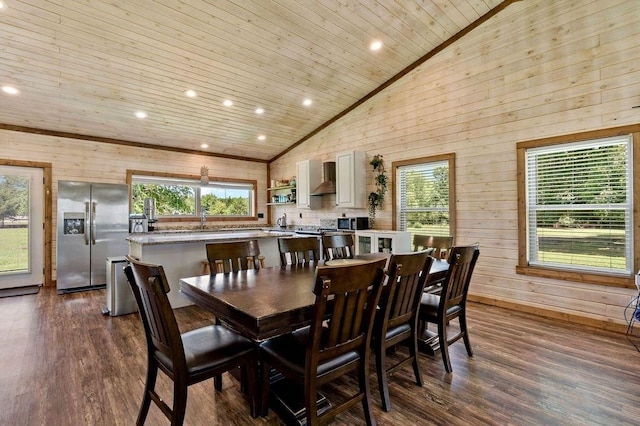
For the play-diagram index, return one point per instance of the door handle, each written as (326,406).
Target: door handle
(93,223)
(86,217)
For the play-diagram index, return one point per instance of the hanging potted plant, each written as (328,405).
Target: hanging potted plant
(376,199)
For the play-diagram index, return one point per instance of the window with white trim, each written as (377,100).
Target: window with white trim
(186,197)
(579,210)
(423,190)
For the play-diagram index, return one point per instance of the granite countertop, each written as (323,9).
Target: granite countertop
(206,236)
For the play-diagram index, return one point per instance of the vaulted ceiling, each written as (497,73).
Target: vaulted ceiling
(83,68)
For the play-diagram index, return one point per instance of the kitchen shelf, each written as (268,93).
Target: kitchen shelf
(276,188)
(286,194)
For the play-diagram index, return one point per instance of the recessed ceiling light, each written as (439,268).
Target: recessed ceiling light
(375,45)
(191,93)
(204,146)
(261,137)
(227,102)
(307,102)
(141,114)
(259,110)
(10,90)
(2,5)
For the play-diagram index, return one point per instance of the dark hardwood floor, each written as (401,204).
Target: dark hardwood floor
(64,363)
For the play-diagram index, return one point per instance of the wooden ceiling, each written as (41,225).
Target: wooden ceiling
(84,67)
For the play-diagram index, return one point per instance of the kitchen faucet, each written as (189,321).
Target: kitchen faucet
(203,218)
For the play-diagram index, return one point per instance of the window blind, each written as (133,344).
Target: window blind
(423,201)
(579,205)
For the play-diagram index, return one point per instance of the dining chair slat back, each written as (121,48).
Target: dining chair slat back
(338,246)
(439,245)
(298,250)
(234,256)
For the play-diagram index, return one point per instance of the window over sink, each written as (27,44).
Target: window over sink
(184,197)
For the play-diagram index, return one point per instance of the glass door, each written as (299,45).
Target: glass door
(363,243)
(21,226)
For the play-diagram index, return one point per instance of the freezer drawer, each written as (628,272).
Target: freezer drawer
(120,299)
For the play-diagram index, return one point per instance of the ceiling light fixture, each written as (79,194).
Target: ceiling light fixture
(307,102)
(141,114)
(10,90)
(2,5)
(375,45)
(204,175)
(227,102)
(259,110)
(204,146)
(191,93)
(261,137)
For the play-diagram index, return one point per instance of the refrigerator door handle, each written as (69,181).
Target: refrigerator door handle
(86,217)
(93,222)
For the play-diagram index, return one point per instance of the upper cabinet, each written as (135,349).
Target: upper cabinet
(308,175)
(350,179)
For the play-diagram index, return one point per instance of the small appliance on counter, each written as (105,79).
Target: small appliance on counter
(352,223)
(138,223)
(150,212)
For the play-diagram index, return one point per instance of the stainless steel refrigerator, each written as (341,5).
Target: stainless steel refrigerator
(93,222)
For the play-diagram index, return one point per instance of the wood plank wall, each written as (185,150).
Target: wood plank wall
(540,68)
(89,161)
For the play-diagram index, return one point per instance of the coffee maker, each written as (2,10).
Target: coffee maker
(150,212)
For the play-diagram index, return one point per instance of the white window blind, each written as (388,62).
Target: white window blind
(579,206)
(423,201)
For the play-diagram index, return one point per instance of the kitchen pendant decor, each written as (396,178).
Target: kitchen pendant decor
(204,175)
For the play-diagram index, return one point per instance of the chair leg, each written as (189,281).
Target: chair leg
(381,359)
(217,382)
(179,402)
(462,319)
(413,351)
(363,379)
(444,345)
(152,374)
(311,404)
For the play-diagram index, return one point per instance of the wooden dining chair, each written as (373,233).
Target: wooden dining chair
(397,318)
(451,303)
(338,246)
(186,358)
(439,245)
(337,341)
(299,250)
(234,256)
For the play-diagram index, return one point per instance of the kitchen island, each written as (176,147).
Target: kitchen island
(181,253)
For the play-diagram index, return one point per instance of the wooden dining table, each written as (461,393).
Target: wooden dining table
(268,302)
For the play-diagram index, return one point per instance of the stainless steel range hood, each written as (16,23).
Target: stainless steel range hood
(329,175)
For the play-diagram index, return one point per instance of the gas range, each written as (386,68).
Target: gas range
(313,230)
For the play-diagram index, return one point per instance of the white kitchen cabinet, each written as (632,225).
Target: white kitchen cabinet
(383,242)
(308,177)
(350,180)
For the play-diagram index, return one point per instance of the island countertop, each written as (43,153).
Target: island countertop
(205,236)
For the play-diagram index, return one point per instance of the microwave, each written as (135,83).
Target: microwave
(352,223)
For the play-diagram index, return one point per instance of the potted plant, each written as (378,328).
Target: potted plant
(376,199)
